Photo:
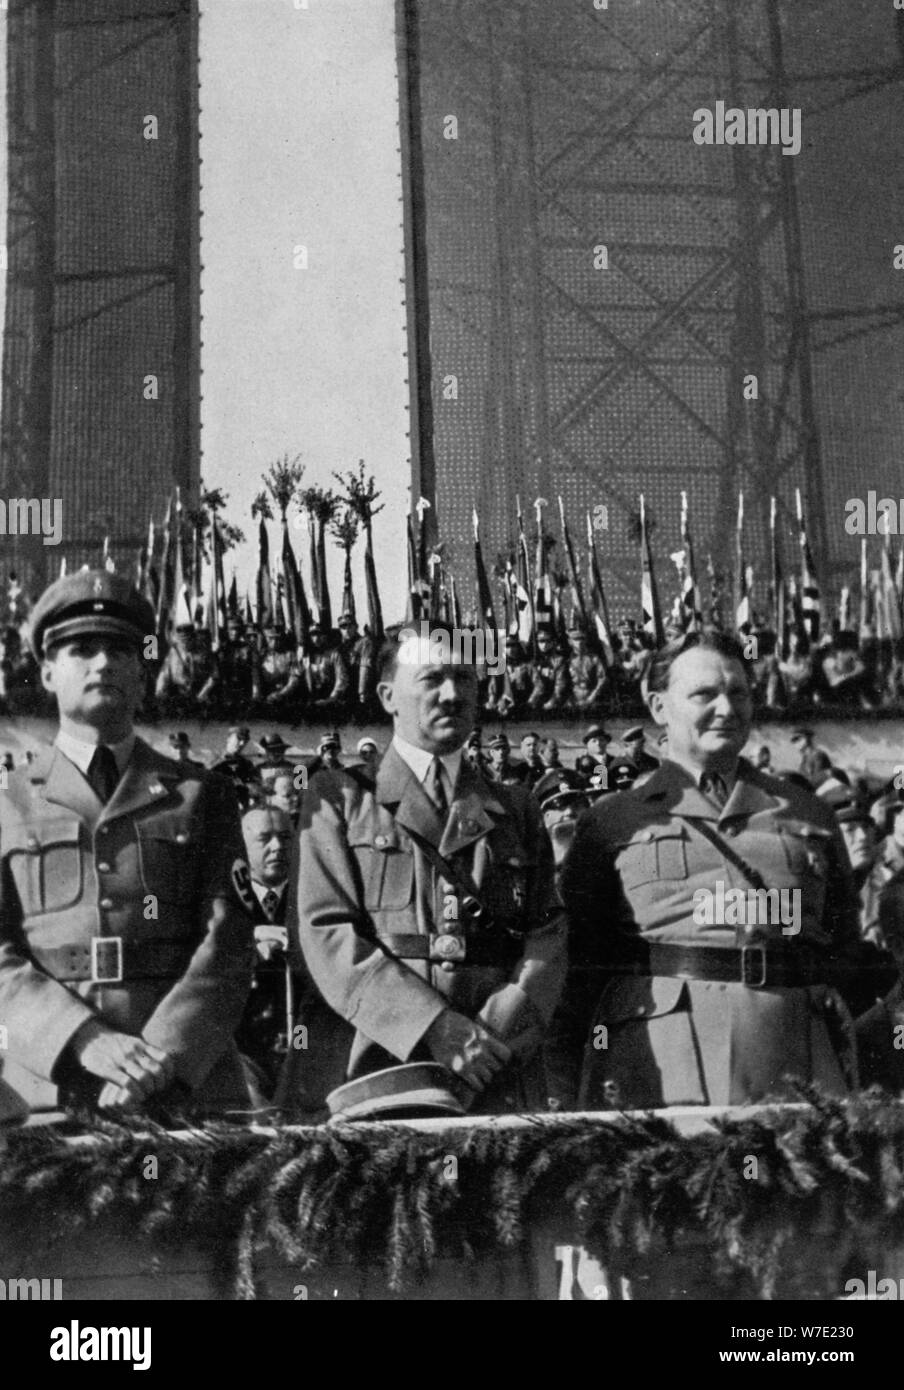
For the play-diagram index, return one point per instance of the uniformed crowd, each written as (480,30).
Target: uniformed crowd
(261,673)
(435,926)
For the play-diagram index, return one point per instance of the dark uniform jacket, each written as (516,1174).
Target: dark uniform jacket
(360,875)
(635,864)
(73,870)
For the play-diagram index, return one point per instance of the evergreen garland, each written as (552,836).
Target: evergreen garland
(779,1201)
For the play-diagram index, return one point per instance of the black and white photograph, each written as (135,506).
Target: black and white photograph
(452,661)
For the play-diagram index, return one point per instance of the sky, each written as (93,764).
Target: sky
(300,148)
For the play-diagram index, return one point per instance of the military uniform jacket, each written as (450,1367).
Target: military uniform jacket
(634,867)
(72,870)
(361,875)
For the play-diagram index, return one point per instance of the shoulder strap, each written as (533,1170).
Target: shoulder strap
(727,850)
(456,873)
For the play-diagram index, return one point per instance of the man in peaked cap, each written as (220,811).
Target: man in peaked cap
(633,740)
(125,942)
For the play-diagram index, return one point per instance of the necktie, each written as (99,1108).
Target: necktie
(435,787)
(103,774)
(271,902)
(711,785)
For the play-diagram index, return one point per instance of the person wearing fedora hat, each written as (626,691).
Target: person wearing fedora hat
(125,943)
(426,909)
(274,760)
(595,741)
(181,745)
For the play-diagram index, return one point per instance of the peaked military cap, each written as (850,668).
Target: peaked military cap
(596,731)
(500,741)
(633,735)
(91,601)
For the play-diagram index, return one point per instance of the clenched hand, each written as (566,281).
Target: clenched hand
(466,1048)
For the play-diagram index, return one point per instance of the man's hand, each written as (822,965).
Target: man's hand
(134,1067)
(466,1048)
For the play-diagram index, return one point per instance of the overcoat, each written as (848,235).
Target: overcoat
(363,881)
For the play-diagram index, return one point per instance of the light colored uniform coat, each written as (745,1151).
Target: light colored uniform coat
(360,872)
(72,869)
(633,868)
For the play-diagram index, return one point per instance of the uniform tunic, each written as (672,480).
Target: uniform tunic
(360,875)
(633,869)
(161,867)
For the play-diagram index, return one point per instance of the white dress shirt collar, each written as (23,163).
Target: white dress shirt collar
(81,753)
(419,760)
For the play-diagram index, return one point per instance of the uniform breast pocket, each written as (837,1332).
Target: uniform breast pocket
(652,856)
(387,872)
(46,864)
(169,862)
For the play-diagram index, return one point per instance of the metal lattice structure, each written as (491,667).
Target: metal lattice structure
(103,269)
(574,133)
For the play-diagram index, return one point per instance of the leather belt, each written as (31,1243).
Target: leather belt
(450,946)
(756,966)
(108,960)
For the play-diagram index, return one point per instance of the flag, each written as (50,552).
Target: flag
(216,589)
(691,610)
(576,587)
(418,585)
(265,614)
(810,602)
(524,586)
(165,587)
(864,591)
(777,586)
(545,609)
(598,605)
(649,599)
(232,602)
(484,594)
(109,563)
(299,613)
(374,606)
(742,589)
(890,595)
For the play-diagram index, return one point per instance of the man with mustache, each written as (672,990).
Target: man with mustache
(426,909)
(126,948)
(695,1010)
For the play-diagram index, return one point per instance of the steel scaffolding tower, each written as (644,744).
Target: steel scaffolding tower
(574,133)
(103,269)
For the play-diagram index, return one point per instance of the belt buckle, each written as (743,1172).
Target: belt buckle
(106,960)
(446,946)
(746,972)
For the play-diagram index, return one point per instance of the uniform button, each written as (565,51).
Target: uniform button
(448,966)
(181,839)
(730,831)
(103,830)
(103,868)
(33,845)
(646,835)
(381,841)
(106,903)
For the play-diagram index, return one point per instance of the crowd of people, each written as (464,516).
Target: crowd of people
(261,673)
(281,924)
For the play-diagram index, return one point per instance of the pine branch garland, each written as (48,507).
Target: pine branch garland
(825,1176)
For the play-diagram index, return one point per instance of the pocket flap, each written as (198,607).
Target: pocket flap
(639,997)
